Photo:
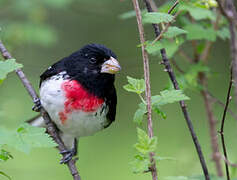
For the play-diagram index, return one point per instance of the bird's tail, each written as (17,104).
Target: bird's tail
(37,121)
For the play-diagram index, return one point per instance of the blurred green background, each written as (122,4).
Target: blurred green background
(39,33)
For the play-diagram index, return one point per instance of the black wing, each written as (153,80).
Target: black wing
(53,70)
(111,102)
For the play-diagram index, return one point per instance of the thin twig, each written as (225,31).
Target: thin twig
(229,11)
(173,7)
(147,81)
(216,100)
(51,128)
(228,98)
(228,162)
(182,103)
(166,28)
(212,125)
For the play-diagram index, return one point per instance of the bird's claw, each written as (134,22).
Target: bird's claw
(68,155)
(37,105)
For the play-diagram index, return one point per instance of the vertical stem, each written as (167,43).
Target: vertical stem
(212,126)
(233,45)
(147,81)
(222,127)
(172,76)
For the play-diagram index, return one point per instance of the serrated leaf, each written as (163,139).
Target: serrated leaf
(26,137)
(7,67)
(198,32)
(168,96)
(156,17)
(5,175)
(135,85)
(223,33)
(174,31)
(140,165)
(170,46)
(145,144)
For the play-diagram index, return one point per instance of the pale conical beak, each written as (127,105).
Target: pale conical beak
(110,66)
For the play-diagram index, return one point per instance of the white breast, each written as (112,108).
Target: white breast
(78,123)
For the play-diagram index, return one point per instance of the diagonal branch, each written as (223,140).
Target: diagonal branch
(51,128)
(166,28)
(173,7)
(182,103)
(147,80)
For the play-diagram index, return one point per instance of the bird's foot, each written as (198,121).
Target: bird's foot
(37,105)
(67,155)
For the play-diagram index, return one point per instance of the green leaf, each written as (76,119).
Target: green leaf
(140,164)
(4,174)
(7,67)
(5,155)
(159,112)
(156,17)
(26,137)
(168,96)
(174,31)
(223,33)
(145,144)
(198,13)
(170,46)
(165,7)
(135,85)
(139,114)
(198,32)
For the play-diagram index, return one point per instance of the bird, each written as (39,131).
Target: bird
(79,95)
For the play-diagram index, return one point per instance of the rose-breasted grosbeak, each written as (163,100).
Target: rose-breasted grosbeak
(78,93)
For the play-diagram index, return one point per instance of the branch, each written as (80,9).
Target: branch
(229,163)
(147,80)
(229,11)
(212,125)
(166,28)
(173,7)
(51,128)
(216,100)
(227,8)
(182,103)
(222,127)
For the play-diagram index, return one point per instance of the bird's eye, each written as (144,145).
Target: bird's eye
(93,60)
